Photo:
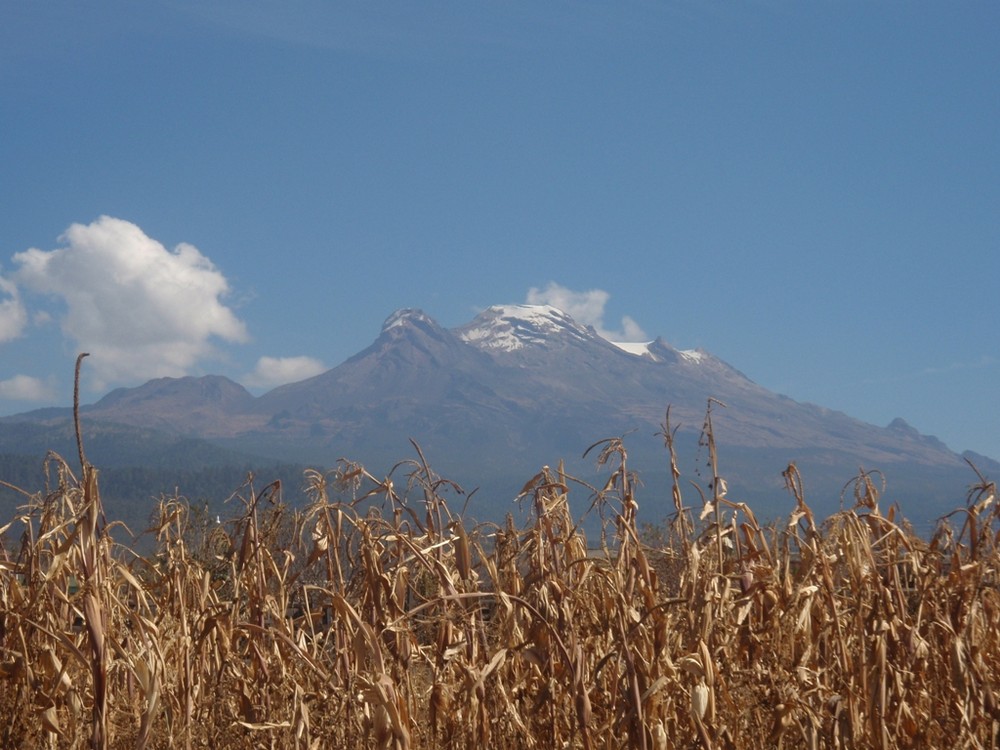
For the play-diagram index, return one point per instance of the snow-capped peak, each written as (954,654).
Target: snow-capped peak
(404,316)
(512,327)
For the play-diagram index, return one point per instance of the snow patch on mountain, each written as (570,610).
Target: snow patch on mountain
(638,348)
(644,349)
(512,327)
(405,316)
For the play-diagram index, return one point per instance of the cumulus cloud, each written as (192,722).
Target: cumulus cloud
(13,316)
(26,388)
(274,371)
(141,310)
(587,308)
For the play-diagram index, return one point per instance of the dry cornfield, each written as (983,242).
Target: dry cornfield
(373,617)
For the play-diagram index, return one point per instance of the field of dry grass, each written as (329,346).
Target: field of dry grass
(372,617)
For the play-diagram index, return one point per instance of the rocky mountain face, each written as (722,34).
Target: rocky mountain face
(521,386)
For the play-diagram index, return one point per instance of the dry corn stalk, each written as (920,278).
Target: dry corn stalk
(375,617)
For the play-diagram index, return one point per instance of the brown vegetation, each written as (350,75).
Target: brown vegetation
(372,617)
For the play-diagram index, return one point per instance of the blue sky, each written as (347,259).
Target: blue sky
(809,191)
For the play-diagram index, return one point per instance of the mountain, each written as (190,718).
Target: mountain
(521,386)
(208,407)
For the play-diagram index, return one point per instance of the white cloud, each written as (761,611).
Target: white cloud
(587,308)
(13,316)
(141,310)
(274,371)
(26,388)
(41,317)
